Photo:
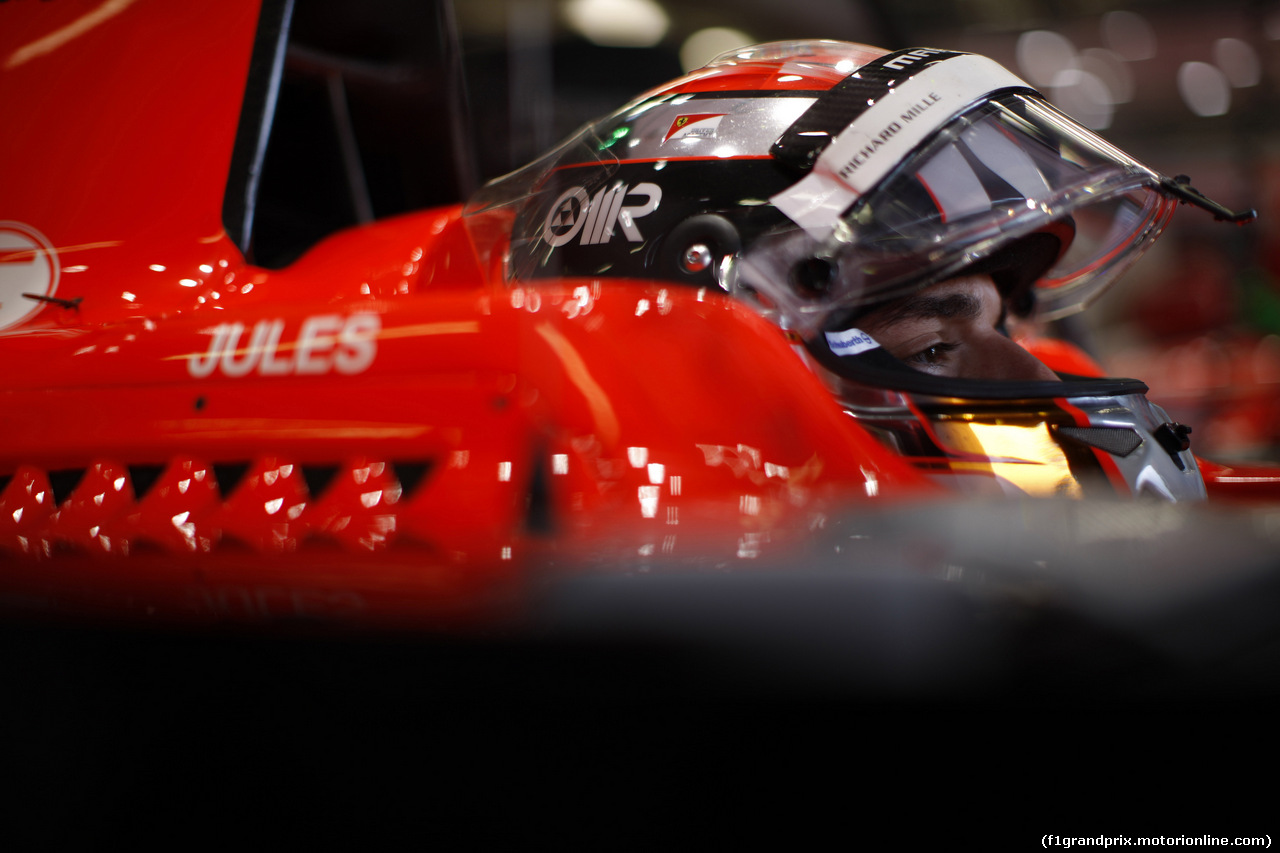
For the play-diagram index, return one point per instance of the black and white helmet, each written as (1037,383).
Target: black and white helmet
(821,179)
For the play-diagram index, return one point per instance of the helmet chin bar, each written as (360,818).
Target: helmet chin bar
(1088,443)
(1081,437)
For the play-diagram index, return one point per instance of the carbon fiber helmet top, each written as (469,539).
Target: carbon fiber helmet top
(821,180)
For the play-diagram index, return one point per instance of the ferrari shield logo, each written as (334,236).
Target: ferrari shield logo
(698,126)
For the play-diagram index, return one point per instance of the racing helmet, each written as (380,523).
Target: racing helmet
(823,180)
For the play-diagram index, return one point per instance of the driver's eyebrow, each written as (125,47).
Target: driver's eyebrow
(925,306)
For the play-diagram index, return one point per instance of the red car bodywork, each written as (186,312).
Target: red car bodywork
(377,431)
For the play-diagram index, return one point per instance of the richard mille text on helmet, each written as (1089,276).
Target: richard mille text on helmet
(890,211)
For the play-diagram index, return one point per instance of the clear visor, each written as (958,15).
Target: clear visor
(1011,185)
(491,214)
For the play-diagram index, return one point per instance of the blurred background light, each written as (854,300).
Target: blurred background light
(1204,88)
(1129,35)
(1111,70)
(706,44)
(618,23)
(1239,61)
(1043,54)
(1084,96)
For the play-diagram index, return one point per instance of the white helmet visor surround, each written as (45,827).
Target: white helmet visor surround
(953,164)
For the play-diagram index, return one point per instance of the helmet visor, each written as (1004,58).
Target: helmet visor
(1010,184)
(493,215)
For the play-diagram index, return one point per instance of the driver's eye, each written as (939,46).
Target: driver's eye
(932,355)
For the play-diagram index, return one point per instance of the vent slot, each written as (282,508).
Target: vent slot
(64,483)
(318,478)
(410,475)
(229,475)
(143,478)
